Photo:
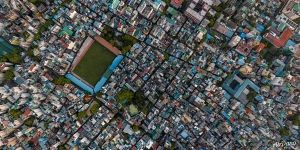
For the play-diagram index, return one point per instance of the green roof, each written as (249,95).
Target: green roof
(115,4)
(172,11)
(296,7)
(281,27)
(66,30)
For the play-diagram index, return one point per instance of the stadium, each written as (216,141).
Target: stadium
(95,62)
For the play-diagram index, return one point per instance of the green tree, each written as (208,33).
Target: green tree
(81,115)
(172,147)
(251,95)
(9,75)
(284,131)
(61,147)
(141,102)
(95,107)
(30,53)
(46,125)
(135,128)
(61,80)
(125,96)
(99,94)
(220,7)
(295,118)
(133,110)
(15,113)
(166,56)
(167,2)
(42,28)
(126,49)
(29,121)
(211,23)
(37,2)
(14,58)
(128,39)
(139,99)
(3,59)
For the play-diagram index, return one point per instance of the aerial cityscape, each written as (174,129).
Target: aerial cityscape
(149,74)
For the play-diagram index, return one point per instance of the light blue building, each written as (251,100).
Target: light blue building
(236,86)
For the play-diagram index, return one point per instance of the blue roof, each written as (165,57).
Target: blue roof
(5,47)
(110,70)
(241,62)
(243,35)
(260,27)
(184,134)
(116,62)
(209,37)
(79,83)
(229,33)
(100,84)
(42,142)
(227,95)
(259,98)
(225,115)
(279,67)
(246,83)
(289,43)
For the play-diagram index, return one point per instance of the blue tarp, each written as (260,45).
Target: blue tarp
(79,83)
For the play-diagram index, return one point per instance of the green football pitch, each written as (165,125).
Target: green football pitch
(95,62)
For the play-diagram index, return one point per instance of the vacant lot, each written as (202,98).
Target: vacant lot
(94,63)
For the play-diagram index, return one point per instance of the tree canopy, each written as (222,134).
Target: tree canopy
(128,97)
(13,57)
(295,118)
(284,131)
(125,96)
(61,80)
(29,122)
(15,113)
(9,75)
(95,107)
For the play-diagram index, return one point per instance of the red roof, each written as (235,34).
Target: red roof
(107,45)
(120,125)
(27,112)
(260,47)
(176,3)
(232,120)
(280,42)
